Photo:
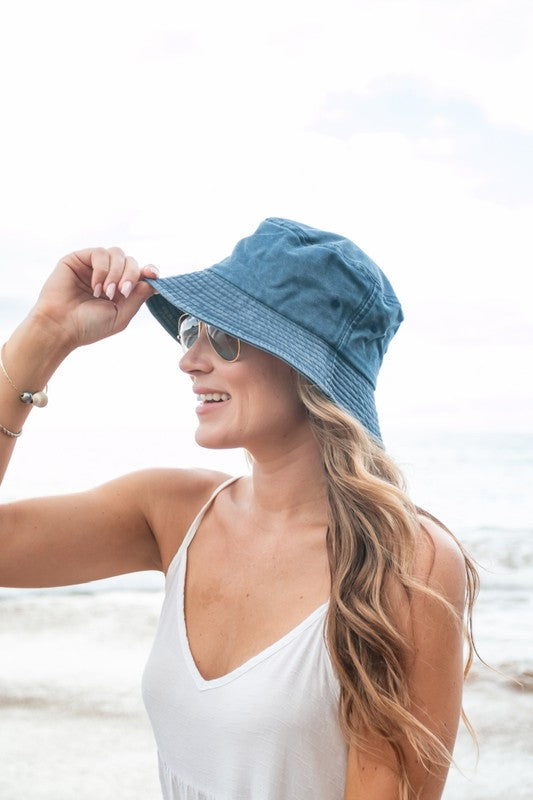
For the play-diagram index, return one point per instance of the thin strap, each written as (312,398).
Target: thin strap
(196,522)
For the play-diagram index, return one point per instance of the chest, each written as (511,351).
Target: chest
(267,730)
(242,593)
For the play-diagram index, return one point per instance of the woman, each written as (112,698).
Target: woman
(310,641)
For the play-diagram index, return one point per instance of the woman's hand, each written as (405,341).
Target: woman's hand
(92,294)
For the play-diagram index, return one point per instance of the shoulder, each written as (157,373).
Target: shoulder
(178,482)
(182,486)
(439,571)
(182,489)
(170,499)
(439,561)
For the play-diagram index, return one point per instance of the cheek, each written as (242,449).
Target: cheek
(280,405)
(261,410)
(267,392)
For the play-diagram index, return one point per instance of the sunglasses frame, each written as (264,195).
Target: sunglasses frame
(207,327)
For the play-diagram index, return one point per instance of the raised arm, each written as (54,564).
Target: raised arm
(72,310)
(55,540)
(132,523)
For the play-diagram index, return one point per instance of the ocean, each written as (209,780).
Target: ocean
(73,725)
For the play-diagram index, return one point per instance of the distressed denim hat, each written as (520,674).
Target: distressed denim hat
(307,296)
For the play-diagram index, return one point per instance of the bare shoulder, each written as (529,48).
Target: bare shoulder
(438,565)
(439,561)
(184,483)
(171,499)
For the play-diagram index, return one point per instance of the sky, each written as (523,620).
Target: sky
(172,129)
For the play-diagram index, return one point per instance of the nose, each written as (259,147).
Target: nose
(198,357)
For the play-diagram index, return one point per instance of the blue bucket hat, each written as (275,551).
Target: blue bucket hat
(307,296)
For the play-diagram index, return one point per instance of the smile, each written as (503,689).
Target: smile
(213,398)
(209,404)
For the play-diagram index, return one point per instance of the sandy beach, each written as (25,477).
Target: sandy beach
(55,753)
(73,725)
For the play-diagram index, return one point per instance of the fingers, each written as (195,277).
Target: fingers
(112,267)
(100,262)
(150,272)
(140,293)
(114,272)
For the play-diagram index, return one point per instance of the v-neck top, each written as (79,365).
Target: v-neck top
(267,730)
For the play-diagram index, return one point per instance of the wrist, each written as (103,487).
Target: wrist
(27,359)
(31,355)
(54,340)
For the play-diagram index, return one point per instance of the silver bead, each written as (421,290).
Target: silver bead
(40,399)
(26,397)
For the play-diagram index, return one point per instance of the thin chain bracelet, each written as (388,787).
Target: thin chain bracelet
(9,433)
(39,399)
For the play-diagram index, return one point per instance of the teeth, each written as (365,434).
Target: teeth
(215,396)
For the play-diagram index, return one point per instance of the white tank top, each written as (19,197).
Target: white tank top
(267,730)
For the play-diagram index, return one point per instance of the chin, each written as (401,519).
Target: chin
(214,442)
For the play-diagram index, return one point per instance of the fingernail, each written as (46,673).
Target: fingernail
(97,290)
(110,291)
(126,288)
(155,271)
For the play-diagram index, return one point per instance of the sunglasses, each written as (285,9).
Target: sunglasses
(189,329)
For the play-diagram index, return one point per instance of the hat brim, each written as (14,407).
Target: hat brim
(209,297)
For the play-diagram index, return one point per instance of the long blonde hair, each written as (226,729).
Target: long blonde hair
(366,550)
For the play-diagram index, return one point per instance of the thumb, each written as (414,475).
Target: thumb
(150,272)
(141,292)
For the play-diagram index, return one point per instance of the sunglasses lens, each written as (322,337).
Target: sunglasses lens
(225,345)
(188,331)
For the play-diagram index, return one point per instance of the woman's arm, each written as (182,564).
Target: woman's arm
(56,540)
(435,674)
(132,523)
(76,538)
(69,313)
(31,356)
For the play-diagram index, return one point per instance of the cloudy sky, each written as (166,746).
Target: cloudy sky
(172,129)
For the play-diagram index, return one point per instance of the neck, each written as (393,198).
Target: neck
(289,485)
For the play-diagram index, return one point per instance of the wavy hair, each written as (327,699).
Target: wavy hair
(366,550)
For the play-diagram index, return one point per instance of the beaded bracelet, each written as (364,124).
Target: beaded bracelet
(39,399)
(12,434)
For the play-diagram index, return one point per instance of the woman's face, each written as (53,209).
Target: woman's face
(263,411)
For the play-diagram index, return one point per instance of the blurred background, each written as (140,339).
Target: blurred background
(171,130)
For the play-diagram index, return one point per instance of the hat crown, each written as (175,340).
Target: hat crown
(307,296)
(323,283)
